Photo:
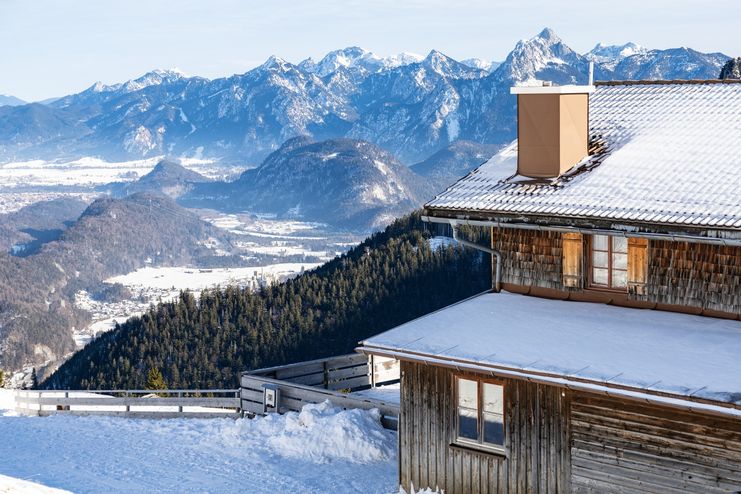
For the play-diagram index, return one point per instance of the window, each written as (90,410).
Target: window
(609,262)
(480,413)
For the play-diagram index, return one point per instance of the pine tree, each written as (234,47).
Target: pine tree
(155,380)
(392,277)
(34,379)
(731,69)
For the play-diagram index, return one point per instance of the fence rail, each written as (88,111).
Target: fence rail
(190,403)
(334,379)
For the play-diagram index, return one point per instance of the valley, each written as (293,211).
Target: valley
(42,228)
(115,198)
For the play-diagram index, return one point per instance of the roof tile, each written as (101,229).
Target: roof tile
(672,155)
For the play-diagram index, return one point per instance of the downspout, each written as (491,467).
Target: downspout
(495,253)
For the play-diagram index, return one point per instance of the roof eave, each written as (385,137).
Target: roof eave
(691,232)
(688,403)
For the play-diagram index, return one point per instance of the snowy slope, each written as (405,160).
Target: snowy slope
(322,449)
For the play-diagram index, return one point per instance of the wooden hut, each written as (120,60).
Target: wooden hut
(610,361)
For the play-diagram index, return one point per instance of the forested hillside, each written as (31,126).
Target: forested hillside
(37,291)
(392,277)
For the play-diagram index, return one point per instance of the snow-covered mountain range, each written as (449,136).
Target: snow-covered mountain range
(412,106)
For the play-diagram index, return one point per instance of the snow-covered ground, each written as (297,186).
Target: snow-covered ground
(94,171)
(387,394)
(150,285)
(26,182)
(181,278)
(322,449)
(10,485)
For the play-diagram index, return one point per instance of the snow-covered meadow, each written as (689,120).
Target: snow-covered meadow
(150,285)
(322,449)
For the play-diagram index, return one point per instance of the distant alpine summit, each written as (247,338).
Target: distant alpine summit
(410,105)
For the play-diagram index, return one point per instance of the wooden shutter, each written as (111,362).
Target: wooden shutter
(572,260)
(637,265)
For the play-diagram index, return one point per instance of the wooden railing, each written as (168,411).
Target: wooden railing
(193,403)
(334,379)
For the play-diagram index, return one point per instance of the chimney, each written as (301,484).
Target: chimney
(552,128)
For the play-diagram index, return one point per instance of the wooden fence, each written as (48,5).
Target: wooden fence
(334,379)
(191,403)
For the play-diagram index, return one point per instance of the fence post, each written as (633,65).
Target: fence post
(372,370)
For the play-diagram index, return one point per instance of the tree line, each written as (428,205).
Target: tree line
(392,277)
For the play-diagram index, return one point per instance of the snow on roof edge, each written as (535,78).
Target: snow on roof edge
(427,339)
(678,401)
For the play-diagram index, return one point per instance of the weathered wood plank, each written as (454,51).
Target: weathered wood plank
(646,448)
(347,361)
(202,402)
(141,414)
(351,383)
(290,373)
(347,372)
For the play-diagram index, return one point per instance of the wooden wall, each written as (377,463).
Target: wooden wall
(623,447)
(529,257)
(696,275)
(537,424)
(679,274)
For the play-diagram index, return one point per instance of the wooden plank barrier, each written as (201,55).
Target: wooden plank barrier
(315,381)
(191,403)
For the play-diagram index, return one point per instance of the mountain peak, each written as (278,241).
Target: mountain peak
(481,64)
(438,61)
(351,57)
(154,78)
(274,62)
(435,54)
(548,34)
(173,169)
(611,55)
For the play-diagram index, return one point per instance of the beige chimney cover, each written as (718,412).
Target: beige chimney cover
(552,128)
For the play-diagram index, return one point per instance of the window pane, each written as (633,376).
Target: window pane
(493,429)
(619,279)
(493,398)
(599,242)
(599,259)
(599,276)
(619,244)
(620,261)
(468,424)
(468,393)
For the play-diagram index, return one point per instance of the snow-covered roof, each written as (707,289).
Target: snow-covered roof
(631,349)
(668,154)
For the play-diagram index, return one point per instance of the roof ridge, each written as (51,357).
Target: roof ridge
(667,81)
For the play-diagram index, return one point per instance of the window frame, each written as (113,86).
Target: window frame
(590,265)
(479,444)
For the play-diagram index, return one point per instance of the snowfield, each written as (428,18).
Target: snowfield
(198,279)
(320,449)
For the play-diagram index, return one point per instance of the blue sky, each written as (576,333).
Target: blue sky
(51,47)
